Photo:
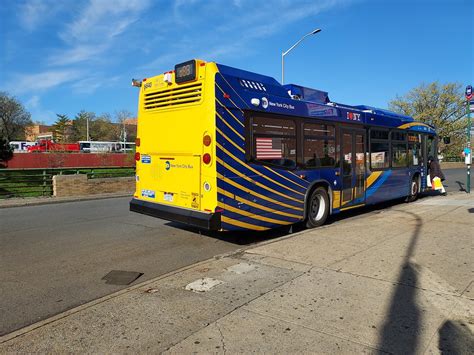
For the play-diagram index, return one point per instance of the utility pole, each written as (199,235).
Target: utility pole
(468,151)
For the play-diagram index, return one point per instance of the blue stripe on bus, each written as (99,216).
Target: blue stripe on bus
(243,180)
(258,170)
(282,176)
(374,187)
(292,206)
(249,220)
(257,211)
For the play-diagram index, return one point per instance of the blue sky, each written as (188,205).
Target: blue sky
(65,56)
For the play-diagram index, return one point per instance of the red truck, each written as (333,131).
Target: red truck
(49,146)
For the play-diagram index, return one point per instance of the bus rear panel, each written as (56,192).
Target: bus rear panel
(175,159)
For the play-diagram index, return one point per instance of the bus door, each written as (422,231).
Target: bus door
(353,167)
(428,149)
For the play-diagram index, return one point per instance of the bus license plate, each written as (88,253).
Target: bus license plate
(168,197)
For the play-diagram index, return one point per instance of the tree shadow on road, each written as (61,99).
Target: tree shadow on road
(455,338)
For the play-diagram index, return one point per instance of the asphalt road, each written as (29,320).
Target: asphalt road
(456,180)
(53,257)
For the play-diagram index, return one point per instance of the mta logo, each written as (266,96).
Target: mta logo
(167,165)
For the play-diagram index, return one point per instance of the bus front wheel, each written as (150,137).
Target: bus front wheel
(318,208)
(413,190)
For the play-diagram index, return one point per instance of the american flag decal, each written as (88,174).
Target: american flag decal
(268,148)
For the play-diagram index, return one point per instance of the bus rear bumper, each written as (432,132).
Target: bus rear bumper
(209,221)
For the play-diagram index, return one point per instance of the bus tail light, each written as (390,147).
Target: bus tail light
(137,142)
(137,156)
(206,158)
(206,140)
(218,210)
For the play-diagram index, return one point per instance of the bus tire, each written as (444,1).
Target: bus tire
(318,208)
(414,188)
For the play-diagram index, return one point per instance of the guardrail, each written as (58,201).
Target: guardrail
(39,182)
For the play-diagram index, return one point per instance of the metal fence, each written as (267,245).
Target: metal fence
(39,182)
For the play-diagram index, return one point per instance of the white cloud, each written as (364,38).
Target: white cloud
(94,29)
(102,20)
(25,83)
(90,84)
(33,13)
(38,113)
(79,53)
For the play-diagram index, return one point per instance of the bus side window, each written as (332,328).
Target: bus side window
(274,141)
(379,149)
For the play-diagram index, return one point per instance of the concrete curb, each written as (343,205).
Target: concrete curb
(36,201)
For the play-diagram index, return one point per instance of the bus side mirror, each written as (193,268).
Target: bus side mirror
(446,140)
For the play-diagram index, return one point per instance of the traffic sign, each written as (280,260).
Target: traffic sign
(468,92)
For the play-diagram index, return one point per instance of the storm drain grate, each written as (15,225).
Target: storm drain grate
(118,277)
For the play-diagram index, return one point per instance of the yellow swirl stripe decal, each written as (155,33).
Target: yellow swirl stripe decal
(230,113)
(372,177)
(257,173)
(228,125)
(266,167)
(256,194)
(256,205)
(237,107)
(229,140)
(252,215)
(242,224)
(411,124)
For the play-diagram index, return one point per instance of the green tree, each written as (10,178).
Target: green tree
(440,105)
(13,118)
(6,151)
(103,129)
(79,126)
(61,128)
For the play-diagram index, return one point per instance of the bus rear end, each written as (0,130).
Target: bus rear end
(175,148)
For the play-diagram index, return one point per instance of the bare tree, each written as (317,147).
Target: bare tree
(13,118)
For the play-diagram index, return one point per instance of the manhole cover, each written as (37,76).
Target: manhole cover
(118,277)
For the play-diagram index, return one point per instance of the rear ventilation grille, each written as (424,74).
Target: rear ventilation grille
(189,94)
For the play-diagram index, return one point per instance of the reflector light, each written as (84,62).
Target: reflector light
(226,96)
(137,156)
(219,210)
(136,83)
(206,140)
(144,79)
(137,142)
(206,158)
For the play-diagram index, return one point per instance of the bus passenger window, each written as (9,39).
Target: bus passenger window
(274,141)
(399,149)
(414,149)
(379,149)
(319,145)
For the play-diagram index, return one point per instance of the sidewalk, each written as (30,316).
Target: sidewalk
(35,201)
(398,280)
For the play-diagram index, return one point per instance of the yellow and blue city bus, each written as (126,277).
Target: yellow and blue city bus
(226,149)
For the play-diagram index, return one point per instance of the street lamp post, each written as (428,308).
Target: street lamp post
(469,94)
(290,49)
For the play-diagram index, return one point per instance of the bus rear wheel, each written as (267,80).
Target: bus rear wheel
(318,208)
(413,190)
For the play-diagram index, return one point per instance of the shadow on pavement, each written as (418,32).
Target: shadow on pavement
(471,210)
(402,326)
(250,237)
(461,186)
(455,338)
